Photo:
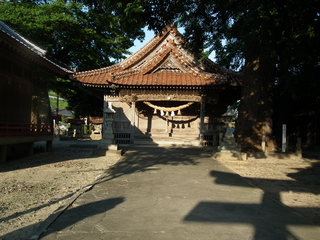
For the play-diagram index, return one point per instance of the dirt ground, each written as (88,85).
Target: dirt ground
(294,181)
(32,188)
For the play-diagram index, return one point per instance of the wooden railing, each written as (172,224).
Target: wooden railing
(24,129)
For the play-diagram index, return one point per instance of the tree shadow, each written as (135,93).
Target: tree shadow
(79,213)
(308,179)
(75,215)
(138,159)
(62,151)
(30,210)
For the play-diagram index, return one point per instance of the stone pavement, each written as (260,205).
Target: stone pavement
(176,193)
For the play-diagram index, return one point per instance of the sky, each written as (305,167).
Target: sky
(138,44)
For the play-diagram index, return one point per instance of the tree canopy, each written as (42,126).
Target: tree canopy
(83,34)
(272,43)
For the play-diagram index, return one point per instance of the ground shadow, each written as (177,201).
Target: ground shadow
(309,176)
(265,217)
(62,151)
(144,159)
(301,185)
(73,216)
(30,210)
(304,183)
(76,214)
(266,225)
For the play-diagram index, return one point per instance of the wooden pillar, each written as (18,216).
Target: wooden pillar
(3,153)
(202,109)
(30,148)
(299,147)
(49,146)
(133,122)
(263,143)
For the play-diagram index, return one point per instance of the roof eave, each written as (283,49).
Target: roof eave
(31,51)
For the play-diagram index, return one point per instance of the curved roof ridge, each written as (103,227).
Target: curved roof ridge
(96,71)
(143,51)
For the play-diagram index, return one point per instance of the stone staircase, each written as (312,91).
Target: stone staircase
(178,137)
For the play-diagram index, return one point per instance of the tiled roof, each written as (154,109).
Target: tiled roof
(168,79)
(162,61)
(21,41)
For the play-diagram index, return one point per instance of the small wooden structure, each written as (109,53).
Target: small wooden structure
(96,126)
(76,128)
(164,94)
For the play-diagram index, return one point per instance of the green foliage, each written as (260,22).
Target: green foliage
(82,103)
(63,104)
(272,42)
(83,34)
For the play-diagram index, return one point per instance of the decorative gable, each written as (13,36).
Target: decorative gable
(169,65)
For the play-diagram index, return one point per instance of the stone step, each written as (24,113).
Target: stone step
(168,142)
(168,138)
(175,135)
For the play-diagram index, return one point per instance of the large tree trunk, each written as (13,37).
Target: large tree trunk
(255,110)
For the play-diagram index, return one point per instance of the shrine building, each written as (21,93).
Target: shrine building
(163,94)
(25,113)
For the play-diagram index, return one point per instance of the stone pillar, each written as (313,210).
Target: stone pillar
(108,135)
(104,126)
(3,153)
(107,146)
(107,141)
(133,122)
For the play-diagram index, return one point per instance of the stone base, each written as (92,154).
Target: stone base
(225,148)
(107,153)
(229,145)
(96,136)
(107,144)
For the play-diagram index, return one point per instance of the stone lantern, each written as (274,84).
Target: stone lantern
(107,141)
(228,116)
(228,146)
